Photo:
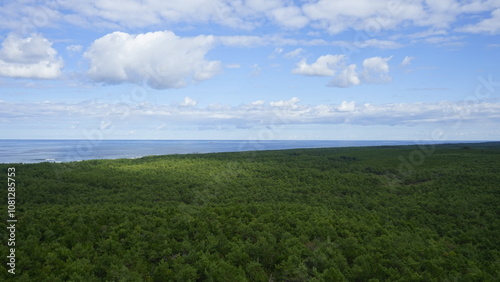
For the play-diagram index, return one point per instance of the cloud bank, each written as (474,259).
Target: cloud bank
(331,16)
(260,113)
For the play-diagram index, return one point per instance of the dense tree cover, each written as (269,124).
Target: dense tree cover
(404,213)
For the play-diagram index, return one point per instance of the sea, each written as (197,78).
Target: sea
(36,151)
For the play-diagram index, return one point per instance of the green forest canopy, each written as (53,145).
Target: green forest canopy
(410,213)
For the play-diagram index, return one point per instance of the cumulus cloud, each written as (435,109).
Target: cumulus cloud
(346,106)
(346,78)
(162,59)
(31,57)
(375,70)
(324,66)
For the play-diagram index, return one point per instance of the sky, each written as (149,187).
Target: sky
(250,69)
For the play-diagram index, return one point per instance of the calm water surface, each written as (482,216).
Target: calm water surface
(34,151)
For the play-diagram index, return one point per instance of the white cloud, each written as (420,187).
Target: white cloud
(31,57)
(28,16)
(261,5)
(444,41)
(135,13)
(257,41)
(490,25)
(347,106)
(290,17)
(337,16)
(324,66)
(427,33)
(346,78)
(74,48)
(162,59)
(479,6)
(376,16)
(377,43)
(286,103)
(188,102)
(294,53)
(375,70)
(332,16)
(260,112)
(277,51)
(407,60)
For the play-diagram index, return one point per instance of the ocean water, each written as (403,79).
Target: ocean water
(35,151)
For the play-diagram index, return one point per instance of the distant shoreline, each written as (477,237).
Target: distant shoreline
(62,151)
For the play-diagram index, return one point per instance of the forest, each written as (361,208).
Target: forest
(388,213)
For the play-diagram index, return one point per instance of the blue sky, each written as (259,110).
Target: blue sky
(250,70)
